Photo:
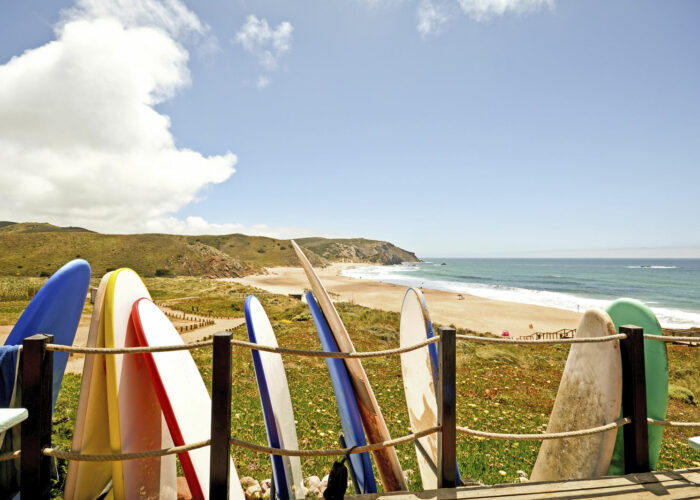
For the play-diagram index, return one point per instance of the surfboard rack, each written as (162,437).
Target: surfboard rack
(37,376)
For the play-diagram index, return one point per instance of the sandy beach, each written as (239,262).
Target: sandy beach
(476,313)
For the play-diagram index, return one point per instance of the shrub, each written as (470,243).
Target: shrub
(681,394)
(302,316)
(164,272)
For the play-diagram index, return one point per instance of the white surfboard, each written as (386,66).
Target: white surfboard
(183,396)
(419,380)
(589,395)
(275,400)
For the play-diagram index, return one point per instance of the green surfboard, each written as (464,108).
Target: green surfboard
(632,312)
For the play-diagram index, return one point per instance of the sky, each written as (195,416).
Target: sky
(448,127)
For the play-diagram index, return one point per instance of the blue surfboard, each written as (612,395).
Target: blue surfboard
(276,402)
(55,310)
(345,398)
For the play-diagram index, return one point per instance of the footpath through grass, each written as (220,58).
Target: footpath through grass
(502,389)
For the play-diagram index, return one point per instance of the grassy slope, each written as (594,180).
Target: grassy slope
(259,250)
(37,227)
(30,254)
(508,389)
(39,249)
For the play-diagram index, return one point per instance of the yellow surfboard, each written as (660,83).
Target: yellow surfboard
(91,433)
(120,413)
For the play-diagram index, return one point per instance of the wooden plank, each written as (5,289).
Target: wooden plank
(9,417)
(671,484)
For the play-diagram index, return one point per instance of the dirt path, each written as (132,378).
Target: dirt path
(76,361)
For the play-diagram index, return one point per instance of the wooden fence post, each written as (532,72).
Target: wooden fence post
(220,417)
(634,400)
(447,399)
(37,382)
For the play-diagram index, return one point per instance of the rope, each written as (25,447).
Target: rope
(338,451)
(10,456)
(126,350)
(501,340)
(547,435)
(323,354)
(114,457)
(240,343)
(666,423)
(668,338)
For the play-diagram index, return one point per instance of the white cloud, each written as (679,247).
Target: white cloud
(266,44)
(263,81)
(197,225)
(80,140)
(431,17)
(172,16)
(484,10)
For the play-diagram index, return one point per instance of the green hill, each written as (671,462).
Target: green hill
(38,249)
(38,227)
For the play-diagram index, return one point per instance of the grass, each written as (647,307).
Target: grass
(39,249)
(12,289)
(502,389)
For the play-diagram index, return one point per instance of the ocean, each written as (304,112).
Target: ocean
(671,287)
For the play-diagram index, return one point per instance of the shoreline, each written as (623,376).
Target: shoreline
(475,313)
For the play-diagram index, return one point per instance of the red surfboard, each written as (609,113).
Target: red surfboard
(182,394)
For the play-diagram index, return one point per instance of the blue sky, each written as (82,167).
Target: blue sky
(480,127)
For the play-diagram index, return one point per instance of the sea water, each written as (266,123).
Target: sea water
(671,287)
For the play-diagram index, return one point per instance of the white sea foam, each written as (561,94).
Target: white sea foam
(668,317)
(652,267)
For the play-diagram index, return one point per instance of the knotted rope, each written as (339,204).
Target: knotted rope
(241,343)
(666,423)
(338,451)
(113,457)
(10,456)
(547,435)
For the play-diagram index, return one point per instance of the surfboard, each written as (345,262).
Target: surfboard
(350,420)
(633,312)
(183,396)
(55,310)
(117,412)
(589,395)
(136,422)
(275,400)
(91,433)
(386,459)
(420,377)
